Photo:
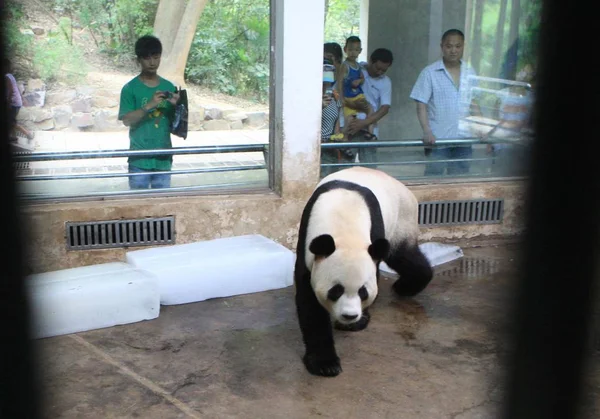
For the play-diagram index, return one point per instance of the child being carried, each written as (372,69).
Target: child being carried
(353,97)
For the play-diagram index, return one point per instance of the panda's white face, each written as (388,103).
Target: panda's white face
(345,283)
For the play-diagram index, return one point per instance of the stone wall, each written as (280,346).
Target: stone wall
(87,108)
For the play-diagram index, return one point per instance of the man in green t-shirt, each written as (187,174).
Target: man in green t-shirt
(147,107)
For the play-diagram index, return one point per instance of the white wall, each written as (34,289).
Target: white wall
(303,27)
(364,30)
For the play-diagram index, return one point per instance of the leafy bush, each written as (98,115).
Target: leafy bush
(52,59)
(115,25)
(342,20)
(17,43)
(230,51)
(127,20)
(56,59)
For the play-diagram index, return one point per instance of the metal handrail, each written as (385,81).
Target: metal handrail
(241,148)
(500,81)
(162,172)
(264,148)
(419,143)
(146,192)
(403,163)
(73,155)
(48,156)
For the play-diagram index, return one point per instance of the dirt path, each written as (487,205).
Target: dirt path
(113,79)
(105,73)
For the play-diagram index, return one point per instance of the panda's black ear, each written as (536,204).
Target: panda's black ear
(322,245)
(379,249)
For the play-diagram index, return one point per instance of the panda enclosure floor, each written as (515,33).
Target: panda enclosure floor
(439,355)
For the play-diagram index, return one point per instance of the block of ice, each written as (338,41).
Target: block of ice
(440,253)
(436,254)
(224,267)
(91,297)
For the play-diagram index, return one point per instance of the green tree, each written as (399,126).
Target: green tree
(230,52)
(175,25)
(342,20)
(17,44)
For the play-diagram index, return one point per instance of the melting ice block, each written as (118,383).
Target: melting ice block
(198,271)
(91,297)
(436,254)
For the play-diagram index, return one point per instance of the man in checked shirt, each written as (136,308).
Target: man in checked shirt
(442,93)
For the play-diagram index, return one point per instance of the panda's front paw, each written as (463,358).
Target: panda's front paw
(356,326)
(326,366)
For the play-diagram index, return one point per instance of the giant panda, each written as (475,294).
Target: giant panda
(355,219)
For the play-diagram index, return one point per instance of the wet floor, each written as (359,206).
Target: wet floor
(439,355)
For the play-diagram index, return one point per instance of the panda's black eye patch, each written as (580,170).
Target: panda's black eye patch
(363,293)
(335,292)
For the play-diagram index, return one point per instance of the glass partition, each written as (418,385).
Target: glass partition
(85,110)
(451,87)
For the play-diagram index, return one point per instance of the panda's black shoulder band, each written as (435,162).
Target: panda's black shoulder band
(377,227)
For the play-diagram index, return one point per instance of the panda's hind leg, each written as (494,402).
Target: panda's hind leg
(356,326)
(412,266)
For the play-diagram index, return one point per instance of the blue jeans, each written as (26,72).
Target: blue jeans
(149,180)
(446,153)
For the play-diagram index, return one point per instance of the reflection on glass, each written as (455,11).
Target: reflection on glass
(473,86)
(443,98)
(72,85)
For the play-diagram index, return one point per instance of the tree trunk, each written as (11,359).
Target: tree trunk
(180,26)
(515,14)
(468,23)
(499,37)
(509,71)
(166,22)
(476,49)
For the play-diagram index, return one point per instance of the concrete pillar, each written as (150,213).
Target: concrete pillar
(296,91)
(412,30)
(364,30)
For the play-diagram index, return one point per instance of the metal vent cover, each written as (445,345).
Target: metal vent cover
(476,211)
(120,233)
(21,165)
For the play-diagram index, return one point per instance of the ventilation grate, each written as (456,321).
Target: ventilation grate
(22,165)
(478,211)
(120,233)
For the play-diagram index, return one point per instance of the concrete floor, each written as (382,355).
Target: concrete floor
(439,355)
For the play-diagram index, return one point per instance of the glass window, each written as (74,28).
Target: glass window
(98,110)
(448,87)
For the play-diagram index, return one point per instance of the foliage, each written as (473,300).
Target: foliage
(56,59)
(530,31)
(17,43)
(53,58)
(128,20)
(230,51)
(342,20)
(114,25)
(513,54)
(526,45)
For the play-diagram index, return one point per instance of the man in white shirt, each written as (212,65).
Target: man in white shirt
(442,96)
(378,92)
